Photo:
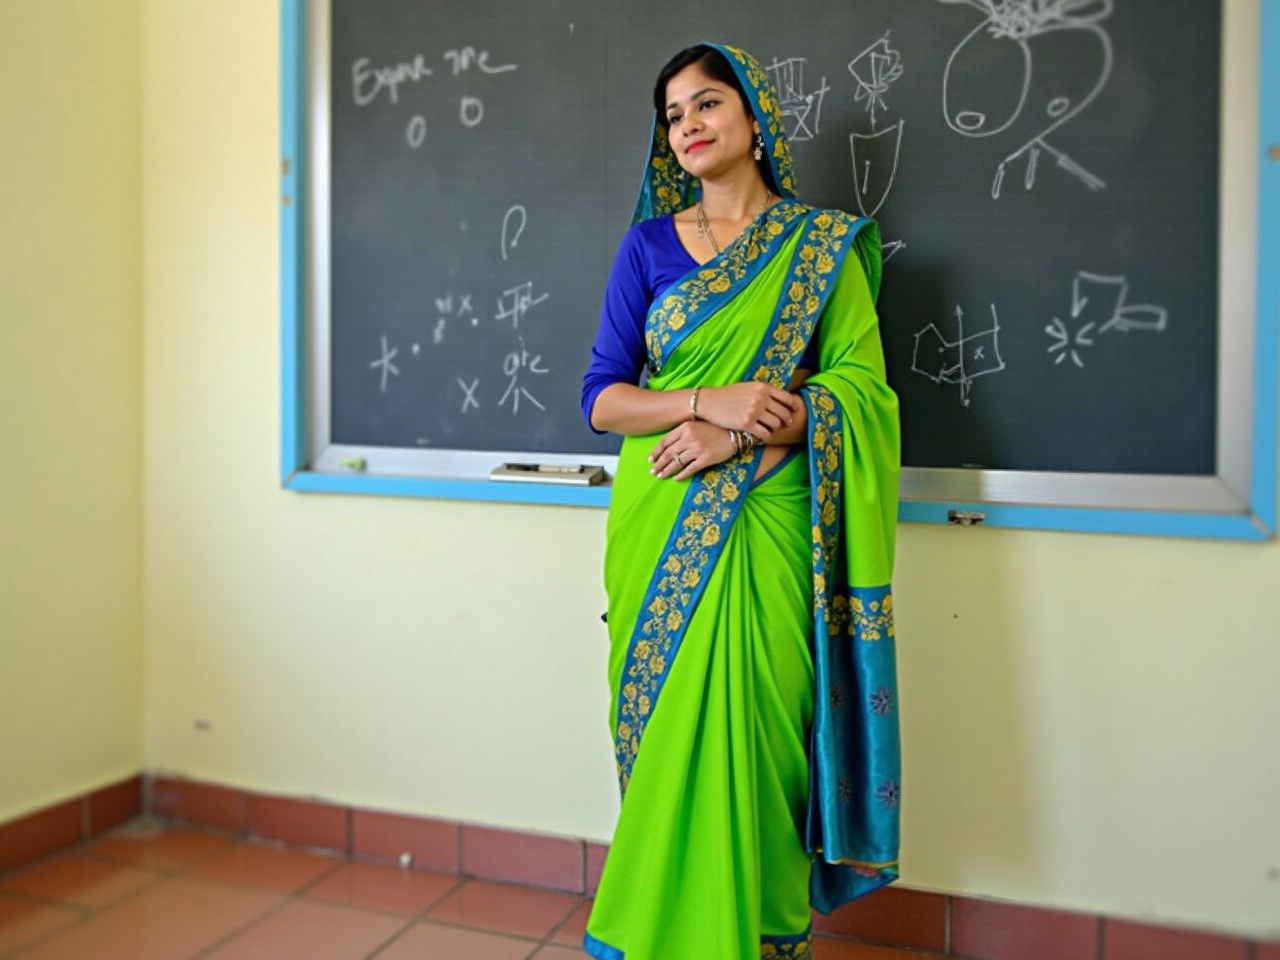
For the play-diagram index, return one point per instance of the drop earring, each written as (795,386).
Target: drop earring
(759,151)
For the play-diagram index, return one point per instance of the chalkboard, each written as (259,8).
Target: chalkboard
(1079,306)
(1044,174)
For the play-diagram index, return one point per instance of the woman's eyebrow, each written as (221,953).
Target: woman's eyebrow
(692,96)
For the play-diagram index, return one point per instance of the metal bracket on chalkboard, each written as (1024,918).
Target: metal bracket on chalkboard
(966,518)
(585,475)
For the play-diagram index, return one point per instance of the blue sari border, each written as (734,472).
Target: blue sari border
(703,291)
(855,754)
(697,539)
(600,950)
(814,266)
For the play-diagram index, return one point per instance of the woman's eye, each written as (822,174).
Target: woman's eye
(706,104)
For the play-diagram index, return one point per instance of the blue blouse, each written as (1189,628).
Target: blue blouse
(649,260)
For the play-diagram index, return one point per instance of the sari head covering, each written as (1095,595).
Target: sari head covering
(752,655)
(667,188)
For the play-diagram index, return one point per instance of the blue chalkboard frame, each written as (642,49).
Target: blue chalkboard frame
(1256,521)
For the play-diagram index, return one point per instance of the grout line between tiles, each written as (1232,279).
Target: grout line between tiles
(550,937)
(243,928)
(403,931)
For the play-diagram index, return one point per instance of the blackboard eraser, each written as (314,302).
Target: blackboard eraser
(966,518)
(578,474)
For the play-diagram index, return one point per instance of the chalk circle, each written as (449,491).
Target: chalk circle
(970,120)
(416,132)
(1058,106)
(471,111)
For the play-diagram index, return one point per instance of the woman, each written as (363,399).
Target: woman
(750,541)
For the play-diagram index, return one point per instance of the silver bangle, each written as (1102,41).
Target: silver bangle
(693,403)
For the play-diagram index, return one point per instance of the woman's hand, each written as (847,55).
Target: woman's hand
(758,408)
(690,447)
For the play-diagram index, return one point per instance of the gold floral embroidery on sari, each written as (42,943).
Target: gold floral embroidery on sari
(713,501)
(790,948)
(859,614)
(813,271)
(872,620)
(826,439)
(678,313)
(776,144)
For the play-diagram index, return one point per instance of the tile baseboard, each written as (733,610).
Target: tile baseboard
(934,924)
(42,833)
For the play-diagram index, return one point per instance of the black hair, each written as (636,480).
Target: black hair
(713,63)
(716,66)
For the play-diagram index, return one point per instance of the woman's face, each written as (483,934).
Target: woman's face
(711,132)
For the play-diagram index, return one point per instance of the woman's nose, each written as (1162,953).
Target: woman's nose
(690,123)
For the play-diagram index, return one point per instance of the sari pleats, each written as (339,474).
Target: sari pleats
(710,836)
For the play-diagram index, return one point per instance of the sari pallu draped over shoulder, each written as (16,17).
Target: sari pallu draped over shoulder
(751,620)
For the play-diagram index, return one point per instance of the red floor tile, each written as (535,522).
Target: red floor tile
(571,931)
(157,847)
(432,940)
(559,953)
(314,931)
(387,889)
(519,911)
(78,881)
(172,921)
(268,868)
(23,923)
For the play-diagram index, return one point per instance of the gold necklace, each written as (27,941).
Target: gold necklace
(704,228)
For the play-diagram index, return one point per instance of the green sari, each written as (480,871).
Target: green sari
(750,620)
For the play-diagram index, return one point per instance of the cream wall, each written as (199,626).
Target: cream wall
(1090,721)
(70,399)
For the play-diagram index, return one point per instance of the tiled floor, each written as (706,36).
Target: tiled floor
(151,893)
